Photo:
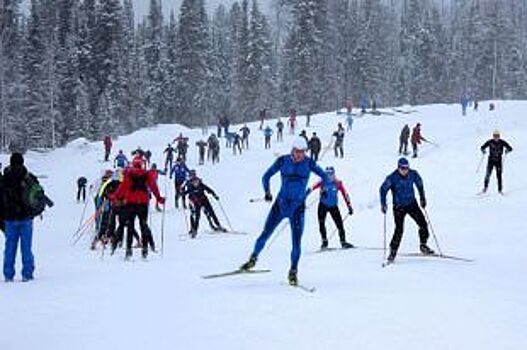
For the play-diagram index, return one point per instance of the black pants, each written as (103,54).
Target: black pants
(117,226)
(415,148)
(235,146)
(339,148)
(107,154)
(195,215)
(81,192)
(179,193)
(280,135)
(168,163)
(139,211)
(314,155)
(403,146)
(267,142)
(215,156)
(201,156)
(337,219)
(415,213)
(499,170)
(245,142)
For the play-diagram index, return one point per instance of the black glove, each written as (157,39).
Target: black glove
(350,210)
(483,151)
(423,203)
(384,209)
(268,197)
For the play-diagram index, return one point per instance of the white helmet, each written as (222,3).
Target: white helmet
(299,143)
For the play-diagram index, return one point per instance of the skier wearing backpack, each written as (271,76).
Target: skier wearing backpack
(196,191)
(23,199)
(134,193)
(403,140)
(329,203)
(295,169)
(401,183)
(81,189)
(497,147)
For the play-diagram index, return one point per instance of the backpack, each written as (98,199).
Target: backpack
(33,196)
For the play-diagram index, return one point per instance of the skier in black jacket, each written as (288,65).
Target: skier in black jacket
(314,146)
(496,148)
(196,191)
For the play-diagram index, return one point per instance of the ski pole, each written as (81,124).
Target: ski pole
(225,214)
(256,200)
(336,229)
(480,163)
(163,231)
(432,231)
(82,215)
(384,241)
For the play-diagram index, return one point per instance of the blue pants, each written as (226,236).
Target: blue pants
(15,231)
(295,214)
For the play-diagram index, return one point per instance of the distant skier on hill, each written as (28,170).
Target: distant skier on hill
(245,136)
(107,147)
(295,169)
(279,130)
(268,132)
(349,121)
(81,189)
(291,122)
(339,141)
(403,140)
(202,146)
(120,160)
(497,147)
(169,151)
(315,146)
(181,146)
(329,203)
(464,104)
(401,183)
(180,173)
(237,144)
(416,139)
(214,148)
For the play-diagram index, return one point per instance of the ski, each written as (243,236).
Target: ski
(301,287)
(228,232)
(441,256)
(235,272)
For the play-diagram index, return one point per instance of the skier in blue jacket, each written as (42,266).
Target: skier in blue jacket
(120,160)
(294,169)
(401,182)
(180,173)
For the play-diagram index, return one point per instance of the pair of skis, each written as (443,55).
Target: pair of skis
(435,255)
(256,271)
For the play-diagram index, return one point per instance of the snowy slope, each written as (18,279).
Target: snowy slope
(84,300)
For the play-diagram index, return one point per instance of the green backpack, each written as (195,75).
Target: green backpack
(33,196)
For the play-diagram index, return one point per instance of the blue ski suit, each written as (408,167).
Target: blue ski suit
(290,202)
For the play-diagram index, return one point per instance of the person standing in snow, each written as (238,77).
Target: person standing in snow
(279,130)
(107,147)
(268,132)
(169,151)
(496,147)
(416,139)
(294,169)
(245,136)
(180,173)
(401,183)
(81,189)
(197,191)
(291,122)
(464,104)
(315,146)
(339,141)
(403,140)
(120,160)
(202,146)
(237,143)
(349,121)
(134,192)
(329,203)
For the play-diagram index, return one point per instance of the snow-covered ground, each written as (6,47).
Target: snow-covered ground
(84,300)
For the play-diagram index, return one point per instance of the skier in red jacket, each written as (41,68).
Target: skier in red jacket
(134,193)
(107,147)
(416,139)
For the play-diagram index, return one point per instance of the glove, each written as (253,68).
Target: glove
(268,197)
(384,209)
(350,210)
(483,151)
(423,203)
(216,197)
(161,200)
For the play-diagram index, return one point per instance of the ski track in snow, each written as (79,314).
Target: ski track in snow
(83,300)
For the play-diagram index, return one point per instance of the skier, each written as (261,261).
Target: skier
(18,216)
(237,143)
(329,203)
(308,119)
(229,139)
(349,121)
(339,141)
(107,147)
(245,136)
(120,160)
(181,146)
(401,183)
(134,193)
(214,148)
(279,130)
(196,191)
(139,153)
(148,155)
(416,139)
(226,125)
(497,147)
(156,173)
(220,124)
(291,122)
(105,194)
(202,145)
(169,156)
(403,140)
(180,173)
(314,146)
(295,169)
(263,115)
(268,132)
(81,189)
(464,103)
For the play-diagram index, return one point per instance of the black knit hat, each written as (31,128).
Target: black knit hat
(16,159)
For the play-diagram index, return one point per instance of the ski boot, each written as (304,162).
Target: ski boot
(324,244)
(292,277)
(346,245)
(391,257)
(128,254)
(222,229)
(192,233)
(426,250)
(249,264)
(144,252)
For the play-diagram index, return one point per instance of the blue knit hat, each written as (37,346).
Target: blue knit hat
(403,163)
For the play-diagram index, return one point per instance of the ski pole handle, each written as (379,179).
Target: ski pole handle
(256,200)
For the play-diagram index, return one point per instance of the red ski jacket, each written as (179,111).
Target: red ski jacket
(136,185)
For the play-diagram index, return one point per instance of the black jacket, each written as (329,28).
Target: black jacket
(314,144)
(496,149)
(14,208)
